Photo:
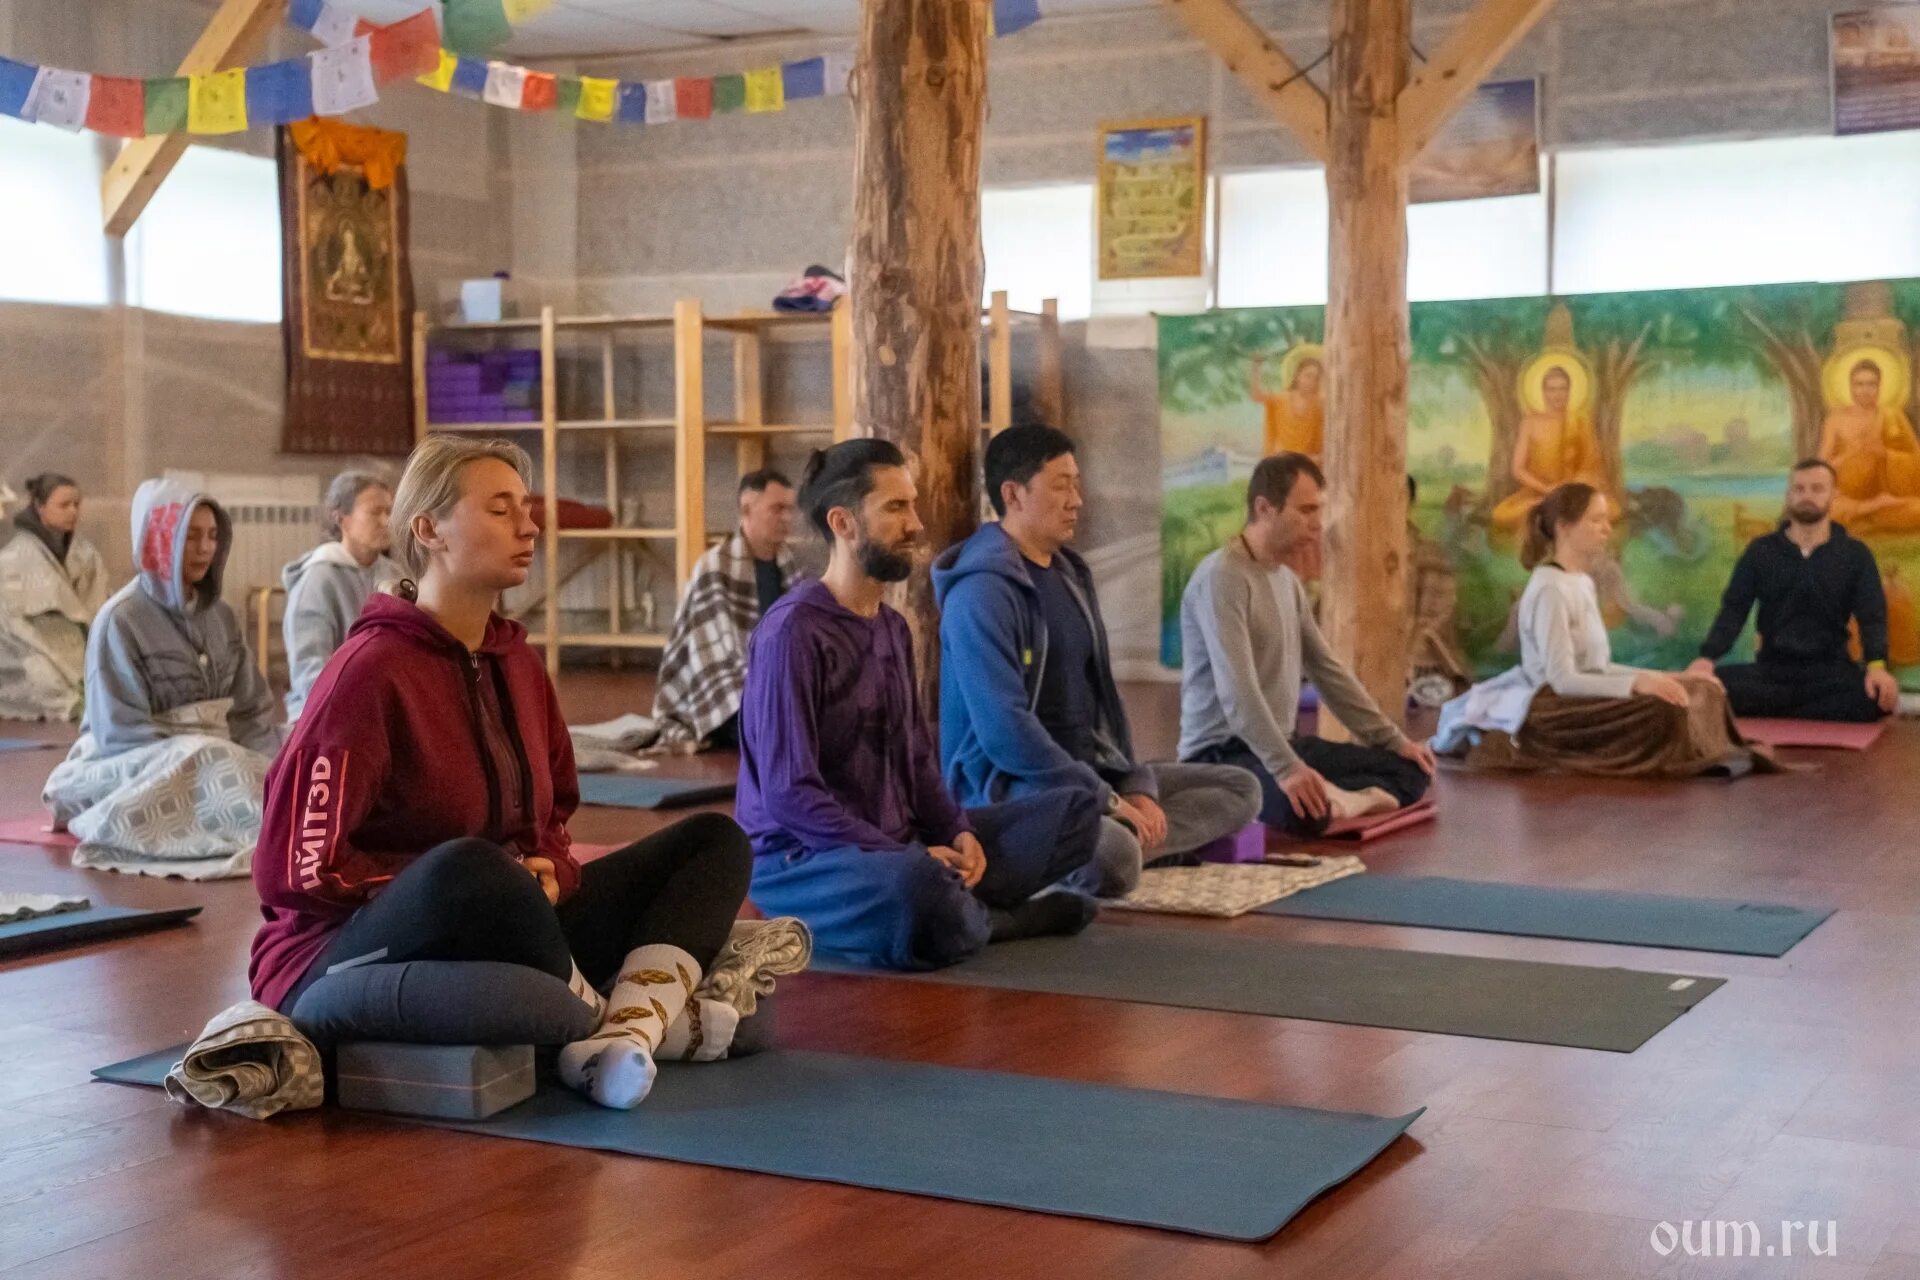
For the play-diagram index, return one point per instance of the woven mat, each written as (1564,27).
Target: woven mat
(1230,889)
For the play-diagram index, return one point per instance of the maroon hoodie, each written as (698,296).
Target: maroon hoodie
(407,741)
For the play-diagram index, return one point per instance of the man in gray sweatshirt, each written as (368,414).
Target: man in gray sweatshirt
(1250,639)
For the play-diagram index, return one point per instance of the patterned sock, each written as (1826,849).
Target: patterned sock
(614,1065)
(579,985)
(702,1033)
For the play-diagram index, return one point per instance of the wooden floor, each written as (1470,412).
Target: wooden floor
(1791,1093)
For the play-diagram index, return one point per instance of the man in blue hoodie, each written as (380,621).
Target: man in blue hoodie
(853,830)
(1027,697)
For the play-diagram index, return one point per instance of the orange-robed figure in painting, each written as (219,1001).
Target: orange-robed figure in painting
(1869,441)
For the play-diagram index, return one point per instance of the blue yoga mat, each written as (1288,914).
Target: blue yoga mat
(24,744)
(1582,915)
(1210,1166)
(71,928)
(633,791)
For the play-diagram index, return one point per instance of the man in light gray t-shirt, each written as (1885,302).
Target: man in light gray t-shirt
(1250,640)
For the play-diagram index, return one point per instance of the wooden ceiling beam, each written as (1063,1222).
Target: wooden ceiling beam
(235,34)
(1469,54)
(1262,66)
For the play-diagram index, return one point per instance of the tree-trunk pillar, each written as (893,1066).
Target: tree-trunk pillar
(919,99)
(1368,348)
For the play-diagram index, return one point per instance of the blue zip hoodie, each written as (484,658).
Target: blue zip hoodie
(993,651)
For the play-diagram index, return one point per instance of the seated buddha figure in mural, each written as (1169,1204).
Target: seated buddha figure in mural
(1870,443)
(1555,443)
(1297,416)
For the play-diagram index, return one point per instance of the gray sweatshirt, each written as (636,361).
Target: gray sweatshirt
(326,589)
(150,651)
(1249,639)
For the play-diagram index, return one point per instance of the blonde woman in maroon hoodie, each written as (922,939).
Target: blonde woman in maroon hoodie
(419,812)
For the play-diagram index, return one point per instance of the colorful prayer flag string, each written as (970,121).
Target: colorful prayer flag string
(357,57)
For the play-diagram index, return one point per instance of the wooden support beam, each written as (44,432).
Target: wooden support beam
(999,363)
(1466,57)
(236,33)
(419,376)
(749,452)
(690,439)
(1050,397)
(842,357)
(1262,66)
(919,105)
(550,481)
(1367,349)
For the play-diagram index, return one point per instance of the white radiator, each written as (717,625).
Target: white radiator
(266,535)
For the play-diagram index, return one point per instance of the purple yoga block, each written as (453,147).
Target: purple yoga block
(1248,844)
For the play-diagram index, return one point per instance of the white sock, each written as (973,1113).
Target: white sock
(702,1033)
(579,985)
(614,1065)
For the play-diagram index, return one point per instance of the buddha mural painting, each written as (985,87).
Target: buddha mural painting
(1869,439)
(1556,443)
(1296,417)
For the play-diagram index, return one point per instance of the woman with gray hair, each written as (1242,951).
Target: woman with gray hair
(328,586)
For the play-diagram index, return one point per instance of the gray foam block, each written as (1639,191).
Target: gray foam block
(446,1081)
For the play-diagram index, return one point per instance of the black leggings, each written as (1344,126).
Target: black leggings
(471,900)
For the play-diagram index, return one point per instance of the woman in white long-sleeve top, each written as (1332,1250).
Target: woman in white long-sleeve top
(1568,705)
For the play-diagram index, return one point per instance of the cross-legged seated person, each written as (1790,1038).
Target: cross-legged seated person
(329,585)
(853,830)
(704,669)
(52,583)
(1811,579)
(1248,634)
(1028,702)
(1568,705)
(179,724)
(419,812)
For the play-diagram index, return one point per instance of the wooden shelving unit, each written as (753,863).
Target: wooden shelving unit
(688,430)
(749,429)
(1000,320)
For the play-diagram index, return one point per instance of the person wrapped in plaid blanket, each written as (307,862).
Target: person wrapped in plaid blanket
(704,669)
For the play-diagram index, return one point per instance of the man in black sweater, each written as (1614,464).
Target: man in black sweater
(1811,580)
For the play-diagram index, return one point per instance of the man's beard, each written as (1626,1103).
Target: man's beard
(1807,513)
(883,563)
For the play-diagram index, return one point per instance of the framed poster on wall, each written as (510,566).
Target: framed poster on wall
(1876,69)
(1151,219)
(1490,147)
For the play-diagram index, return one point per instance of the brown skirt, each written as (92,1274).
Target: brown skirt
(1637,737)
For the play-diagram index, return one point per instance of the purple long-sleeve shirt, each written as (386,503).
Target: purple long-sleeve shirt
(834,748)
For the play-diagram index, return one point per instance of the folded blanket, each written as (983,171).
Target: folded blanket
(249,1060)
(31,906)
(756,952)
(630,732)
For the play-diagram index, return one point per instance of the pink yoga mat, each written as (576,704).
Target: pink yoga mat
(32,829)
(1812,733)
(1372,827)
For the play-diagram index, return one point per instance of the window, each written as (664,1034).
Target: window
(1273,243)
(1727,213)
(209,244)
(1273,238)
(1492,248)
(55,248)
(1039,244)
